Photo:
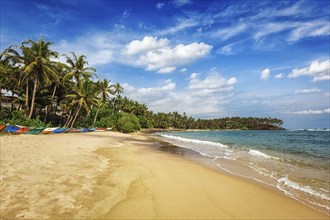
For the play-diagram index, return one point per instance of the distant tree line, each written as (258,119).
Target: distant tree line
(40,90)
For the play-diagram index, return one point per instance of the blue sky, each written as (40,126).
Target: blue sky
(209,59)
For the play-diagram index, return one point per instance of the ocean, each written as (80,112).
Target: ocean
(296,162)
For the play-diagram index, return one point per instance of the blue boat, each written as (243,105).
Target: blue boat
(11,128)
(59,130)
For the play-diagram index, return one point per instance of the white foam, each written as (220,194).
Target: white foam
(196,141)
(296,186)
(258,154)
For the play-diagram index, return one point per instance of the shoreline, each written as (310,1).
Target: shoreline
(209,162)
(119,176)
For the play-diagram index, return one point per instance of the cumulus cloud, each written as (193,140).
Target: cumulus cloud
(146,44)
(319,70)
(155,54)
(304,91)
(279,76)
(198,98)
(214,82)
(265,74)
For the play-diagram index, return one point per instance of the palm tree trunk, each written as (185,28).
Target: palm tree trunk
(47,106)
(97,112)
(27,97)
(0,103)
(67,122)
(33,97)
(75,117)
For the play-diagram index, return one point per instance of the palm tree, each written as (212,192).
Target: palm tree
(78,69)
(37,66)
(105,89)
(83,96)
(117,90)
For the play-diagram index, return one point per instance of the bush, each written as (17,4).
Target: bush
(127,122)
(106,122)
(18,118)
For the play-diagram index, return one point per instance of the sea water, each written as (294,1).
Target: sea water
(296,162)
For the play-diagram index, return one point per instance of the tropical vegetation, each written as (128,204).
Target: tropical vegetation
(36,89)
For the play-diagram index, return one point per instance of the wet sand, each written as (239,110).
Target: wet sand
(110,175)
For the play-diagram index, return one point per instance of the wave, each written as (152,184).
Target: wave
(258,154)
(310,129)
(196,141)
(296,186)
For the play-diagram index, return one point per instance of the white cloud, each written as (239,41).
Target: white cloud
(168,69)
(318,70)
(230,32)
(198,98)
(148,43)
(310,29)
(226,50)
(160,5)
(183,70)
(265,74)
(214,82)
(311,112)
(181,25)
(303,91)
(155,54)
(279,76)
(179,3)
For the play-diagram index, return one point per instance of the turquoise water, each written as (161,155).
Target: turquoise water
(296,162)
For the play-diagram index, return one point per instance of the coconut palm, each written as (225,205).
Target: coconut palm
(37,66)
(117,90)
(83,97)
(78,68)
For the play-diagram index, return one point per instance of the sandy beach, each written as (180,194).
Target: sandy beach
(110,175)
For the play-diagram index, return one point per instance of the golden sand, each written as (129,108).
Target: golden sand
(118,176)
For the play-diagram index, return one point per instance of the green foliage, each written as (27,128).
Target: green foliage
(84,123)
(18,118)
(105,122)
(127,123)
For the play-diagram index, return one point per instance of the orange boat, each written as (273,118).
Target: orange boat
(22,130)
(2,127)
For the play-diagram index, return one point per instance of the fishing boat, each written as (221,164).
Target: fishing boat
(49,130)
(75,130)
(59,130)
(22,129)
(100,129)
(35,130)
(11,128)
(2,127)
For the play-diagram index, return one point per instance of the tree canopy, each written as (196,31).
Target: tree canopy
(34,84)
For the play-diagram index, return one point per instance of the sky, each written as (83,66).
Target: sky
(209,59)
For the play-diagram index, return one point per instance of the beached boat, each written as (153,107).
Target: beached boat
(11,128)
(100,129)
(59,130)
(108,129)
(75,130)
(49,130)
(22,130)
(35,130)
(2,127)
(87,129)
